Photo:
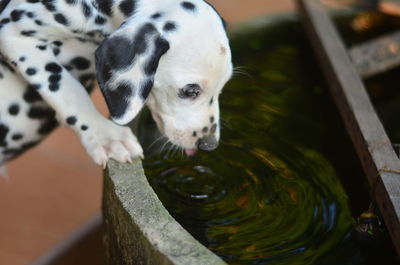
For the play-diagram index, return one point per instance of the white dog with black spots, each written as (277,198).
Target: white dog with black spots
(171,55)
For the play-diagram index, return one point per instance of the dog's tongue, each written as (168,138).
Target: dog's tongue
(190,152)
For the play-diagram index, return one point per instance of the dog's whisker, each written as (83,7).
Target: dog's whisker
(241,70)
(164,145)
(155,141)
(182,152)
(171,147)
(176,149)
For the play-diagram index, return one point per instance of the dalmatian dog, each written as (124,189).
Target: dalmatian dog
(172,55)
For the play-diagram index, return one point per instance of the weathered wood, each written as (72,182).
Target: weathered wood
(138,229)
(363,125)
(377,56)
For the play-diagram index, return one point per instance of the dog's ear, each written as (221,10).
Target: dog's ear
(126,63)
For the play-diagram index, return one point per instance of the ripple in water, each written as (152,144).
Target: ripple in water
(269,194)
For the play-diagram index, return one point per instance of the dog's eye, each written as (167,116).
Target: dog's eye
(191,91)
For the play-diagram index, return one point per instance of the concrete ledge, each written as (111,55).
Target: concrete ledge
(138,229)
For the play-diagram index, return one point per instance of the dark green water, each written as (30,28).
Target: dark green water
(276,190)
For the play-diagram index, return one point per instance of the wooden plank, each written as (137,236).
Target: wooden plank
(363,125)
(376,56)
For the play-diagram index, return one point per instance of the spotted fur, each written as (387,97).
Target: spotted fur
(163,53)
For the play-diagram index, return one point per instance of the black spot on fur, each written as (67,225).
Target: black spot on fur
(22,59)
(30,14)
(57,43)
(212,119)
(16,15)
(48,126)
(116,99)
(88,81)
(3,5)
(205,129)
(54,86)
(105,6)
(71,2)
(194,134)
(213,128)
(3,134)
(40,112)
(17,151)
(169,26)
(99,20)
(4,21)
(7,65)
(161,47)
(127,7)
(31,71)
(188,6)
(80,63)
(118,51)
(146,88)
(87,11)
(33,1)
(60,18)
(53,67)
(56,51)
(38,22)
(13,109)
(54,78)
(28,33)
(49,5)
(156,15)
(31,95)
(84,127)
(17,136)
(28,145)
(141,37)
(71,120)
(41,47)
(211,101)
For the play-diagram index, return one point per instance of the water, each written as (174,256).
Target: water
(276,189)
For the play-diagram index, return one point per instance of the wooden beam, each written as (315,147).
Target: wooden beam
(370,140)
(377,56)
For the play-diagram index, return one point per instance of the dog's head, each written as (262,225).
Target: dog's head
(177,61)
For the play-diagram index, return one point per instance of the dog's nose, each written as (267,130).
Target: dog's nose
(207,143)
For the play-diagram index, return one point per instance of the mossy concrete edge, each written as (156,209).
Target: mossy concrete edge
(138,229)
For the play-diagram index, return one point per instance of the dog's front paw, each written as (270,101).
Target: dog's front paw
(108,140)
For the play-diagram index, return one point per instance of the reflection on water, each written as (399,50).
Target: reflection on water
(270,194)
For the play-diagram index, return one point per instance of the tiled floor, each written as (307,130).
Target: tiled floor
(55,187)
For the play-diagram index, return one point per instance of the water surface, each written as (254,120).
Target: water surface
(276,189)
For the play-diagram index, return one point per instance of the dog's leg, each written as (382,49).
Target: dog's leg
(102,138)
